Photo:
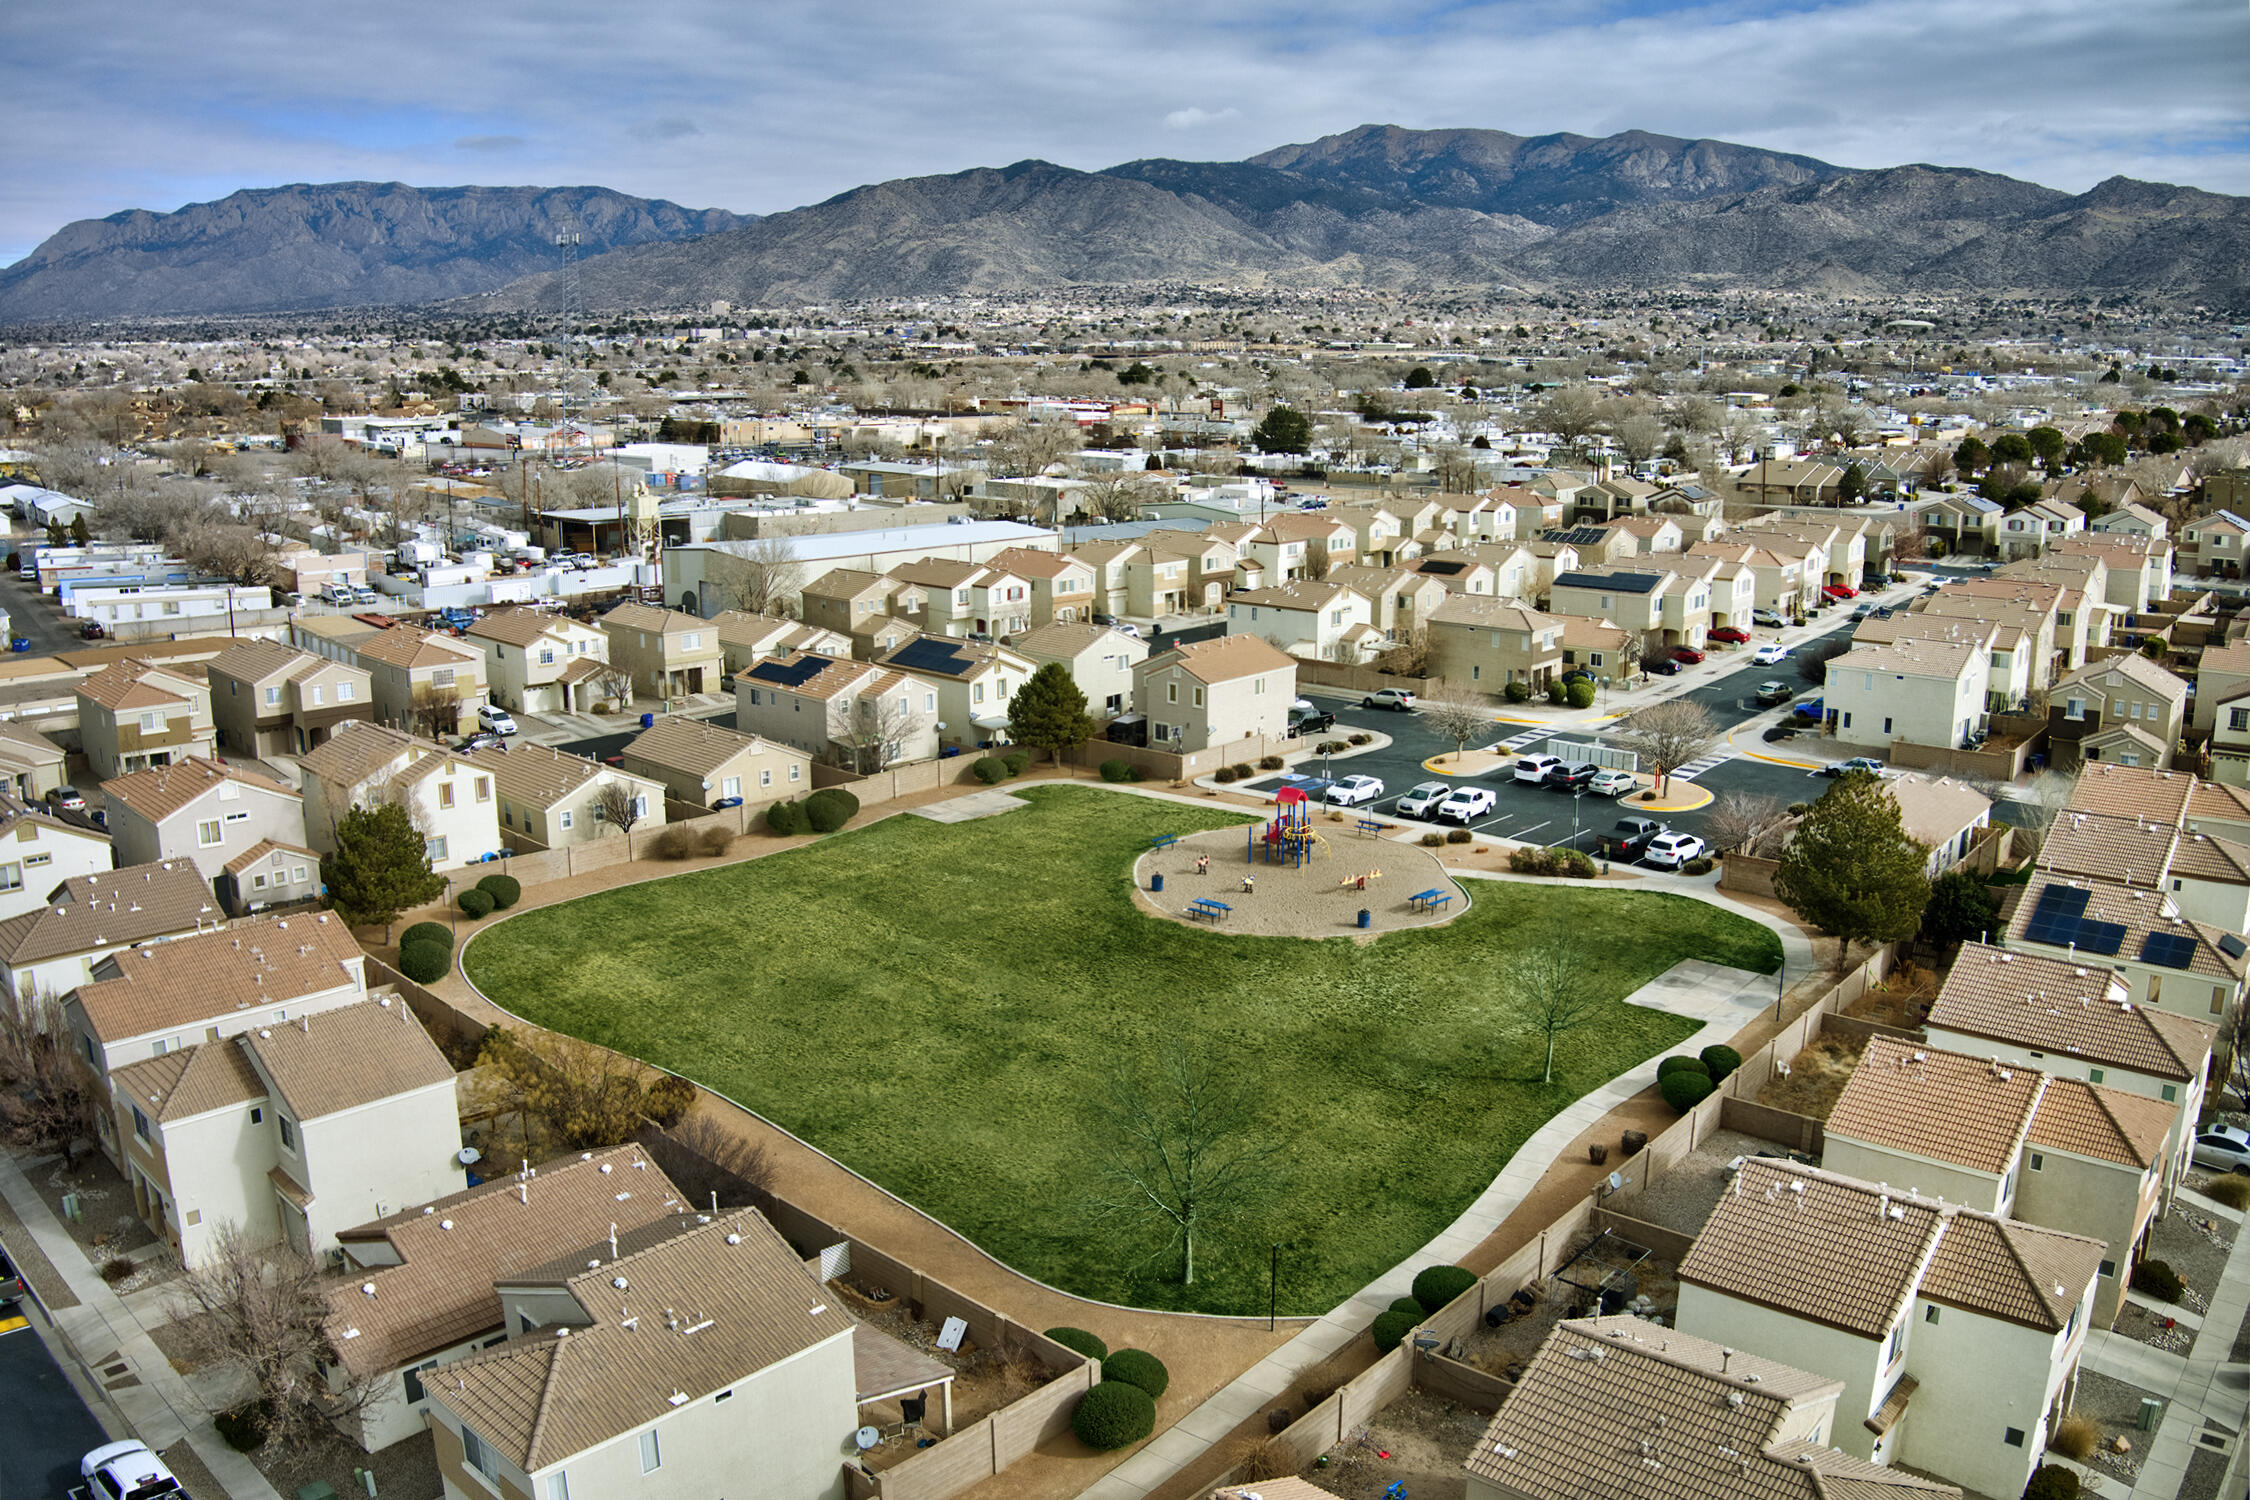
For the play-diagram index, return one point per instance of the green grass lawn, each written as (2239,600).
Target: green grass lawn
(931,1004)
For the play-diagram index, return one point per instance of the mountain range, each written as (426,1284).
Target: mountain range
(1415,210)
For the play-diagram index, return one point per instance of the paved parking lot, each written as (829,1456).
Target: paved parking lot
(49,1427)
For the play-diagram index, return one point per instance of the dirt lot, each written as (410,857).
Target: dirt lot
(1505,1350)
(1418,1440)
(984,1379)
(1815,1077)
(1683,1197)
(1903,999)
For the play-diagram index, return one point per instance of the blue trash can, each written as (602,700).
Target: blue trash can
(1366,917)
(648,721)
(1156,882)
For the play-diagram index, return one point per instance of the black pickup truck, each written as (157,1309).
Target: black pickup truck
(1304,721)
(1629,840)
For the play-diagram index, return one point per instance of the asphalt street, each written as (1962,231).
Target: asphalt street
(49,1427)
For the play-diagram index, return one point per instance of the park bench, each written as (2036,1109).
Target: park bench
(1370,825)
(1430,900)
(1204,906)
(1162,840)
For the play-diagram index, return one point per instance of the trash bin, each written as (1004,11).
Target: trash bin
(1156,882)
(1366,917)
(648,721)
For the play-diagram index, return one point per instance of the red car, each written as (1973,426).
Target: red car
(1839,591)
(1730,634)
(1686,654)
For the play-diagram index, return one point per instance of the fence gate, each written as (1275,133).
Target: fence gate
(1573,752)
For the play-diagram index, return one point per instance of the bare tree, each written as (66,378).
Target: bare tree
(1639,437)
(1182,1150)
(263,1312)
(1738,819)
(1547,983)
(1407,658)
(875,731)
(614,683)
(576,1095)
(729,1151)
(1738,437)
(1570,413)
(620,803)
(1034,444)
(55,1096)
(765,578)
(1454,714)
(1668,735)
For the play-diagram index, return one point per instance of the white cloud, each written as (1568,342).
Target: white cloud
(1196,115)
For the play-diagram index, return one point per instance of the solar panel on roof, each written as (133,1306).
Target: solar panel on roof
(1442,567)
(790,674)
(927,655)
(2172,950)
(2232,946)
(2104,938)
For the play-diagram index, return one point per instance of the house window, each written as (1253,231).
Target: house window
(442,677)
(152,723)
(2038,1162)
(2094,1075)
(564,821)
(34,861)
(319,695)
(273,696)
(795,772)
(288,1130)
(11,876)
(484,789)
(1897,1344)
(2109,1268)
(692,641)
(434,849)
(478,1456)
(257,1117)
(558,1486)
(765,778)
(2171,1093)
(651,1458)
(1171,692)
(547,656)
(207,833)
(140,1125)
(343,692)
(2012,1436)
(413,1378)
(445,794)
(1199,697)
(1930,1313)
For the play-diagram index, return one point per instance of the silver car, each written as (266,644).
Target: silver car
(1418,802)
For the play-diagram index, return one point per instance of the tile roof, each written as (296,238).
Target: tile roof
(2142,914)
(343,1058)
(2126,850)
(358,749)
(2132,792)
(697,746)
(1617,1407)
(1490,612)
(136,684)
(1299,594)
(2136,668)
(257,661)
(161,791)
(1061,641)
(261,849)
(2089,1119)
(846,583)
(518,627)
(441,1292)
(410,646)
(753,1303)
(1936,808)
(112,908)
(2044,1004)
(1226,658)
(190,980)
(813,674)
(1947,1106)
(1850,1255)
(189,1081)
(540,776)
(649,617)
(1909,658)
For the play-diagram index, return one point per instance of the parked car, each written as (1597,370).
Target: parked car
(1425,796)
(366,596)
(127,1471)
(1731,635)
(1576,674)
(494,719)
(1351,791)
(1767,618)
(2226,1147)
(91,631)
(1467,803)
(11,1285)
(68,798)
(1630,837)
(1866,763)
(1773,690)
(1611,783)
(1669,851)
(1126,627)
(1535,768)
(1811,708)
(1397,699)
(1665,668)
(1862,612)
(1687,654)
(482,742)
(1770,653)
(1572,778)
(1305,719)
(1838,591)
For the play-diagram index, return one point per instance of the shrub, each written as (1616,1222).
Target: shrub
(1391,1329)
(475,903)
(990,769)
(116,1269)
(1243,770)
(425,962)
(1682,1063)
(1405,1305)
(1362,739)
(1137,1367)
(668,1100)
(1330,747)
(787,819)
(672,842)
(1119,770)
(1700,865)
(1575,862)
(1517,692)
(1719,1061)
(1558,693)
(1435,1286)
(2075,1437)
(1224,774)
(1581,694)
(244,1428)
(1458,836)
(830,810)
(714,840)
(1433,840)
(1088,1344)
(506,890)
(1271,763)
(1112,1415)
(427,932)
(1015,761)
(1684,1090)
(2232,1190)
(2052,1482)
(2159,1280)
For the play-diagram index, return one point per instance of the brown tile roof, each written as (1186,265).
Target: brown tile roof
(258,961)
(2047,1005)
(2088,1119)
(1226,658)
(2134,667)
(411,646)
(2140,913)
(1607,1403)
(939,573)
(1847,1254)
(189,1081)
(1059,642)
(752,1305)
(115,907)
(1026,562)
(261,849)
(1491,612)
(135,684)
(1946,1106)
(838,676)
(2125,850)
(540,776)
(441,1292)
(257,661)
(846,583)
(1936,808)
(2132,792)
(359,749)
(161,791)
(698,746)
(2198,856)
(516,627)
(343,1058)
(649,617)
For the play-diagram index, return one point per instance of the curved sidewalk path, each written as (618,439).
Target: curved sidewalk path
(1723,999)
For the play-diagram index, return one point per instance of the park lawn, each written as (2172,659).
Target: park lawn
(931,1004)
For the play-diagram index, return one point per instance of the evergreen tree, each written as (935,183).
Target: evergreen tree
(1049,712)
(1852,871)
(380,866)
(1284,430)
(80,532)
(1961,910)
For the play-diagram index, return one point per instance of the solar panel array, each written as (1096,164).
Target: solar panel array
(791,674)
(928,654)
(2059,920)
(2172,950)
(2231,945)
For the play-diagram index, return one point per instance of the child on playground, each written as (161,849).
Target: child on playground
(1203,864)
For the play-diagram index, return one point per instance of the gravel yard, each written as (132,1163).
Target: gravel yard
(1419,1441)
(984,1380)
(1683,1197)
(2115,1409)
(2205,1472)
(1505,1350)
(2137,1322)
(1321,899)
(2196,1245)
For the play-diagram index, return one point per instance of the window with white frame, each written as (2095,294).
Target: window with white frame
(209,833)
(652,1456)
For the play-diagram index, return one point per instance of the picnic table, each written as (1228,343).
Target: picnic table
(1370,825)
(1429,900)
(1204,906)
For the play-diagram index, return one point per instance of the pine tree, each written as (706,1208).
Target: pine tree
(1049,712)
(1284,430)
(1852,871)
(379,868)
(80,532)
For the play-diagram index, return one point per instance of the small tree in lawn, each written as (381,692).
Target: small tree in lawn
(1181,1150)
(1049,712)
(1668,735)
(1547,984)
(1852,870)
(1452,714)
(379,867)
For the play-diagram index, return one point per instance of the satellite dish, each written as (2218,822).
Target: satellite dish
(868,1437)
(1616,1181)
(468,1156)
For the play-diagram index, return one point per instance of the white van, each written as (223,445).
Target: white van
(1534,768)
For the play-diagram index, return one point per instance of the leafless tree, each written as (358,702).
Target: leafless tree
(1571,414)
(729,1151)
(1183,1149)
(1546,980)
(1407,658)
(239,554)
(1638,437)
(1739,437)
(263,1312)
(55,1097)
(1116,497)
(1738,819)
(875,731)
(765,578)
(1455,714)
(1034,444)
(620,804)
(324,457)
(1317,560)
(614,683)
(1668,735)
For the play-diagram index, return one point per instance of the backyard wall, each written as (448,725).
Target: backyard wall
(1363,679)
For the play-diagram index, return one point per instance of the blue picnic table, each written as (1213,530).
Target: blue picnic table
(1429,900)
(1204,906)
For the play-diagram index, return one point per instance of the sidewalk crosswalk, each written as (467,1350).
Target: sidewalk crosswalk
(1695,768)
(1518,741)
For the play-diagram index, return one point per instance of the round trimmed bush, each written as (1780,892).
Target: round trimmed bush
(1405,1305)
(1271,763)
(1243,770)
(1361,739)
(427,932)
(1517,692)
(1720,1061)
(990,769)
(505,890)
(1581,694)
(1015,761)
(1113,1414)
(1435,1286)
(1433,840)
(1119,770)
(425,962)
(1224,774)
(1682,1063)
(2053,1482)
(787,819)
(1137,1367)
(475,903)
(1391,1329)
(1088,1344)
(2158,1280)
(1684,1090)
(1558,692)
(1458,836)
(830,809)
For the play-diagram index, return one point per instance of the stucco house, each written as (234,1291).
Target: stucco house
(451,800)
(199,810)
(1100,660)
(1486,643)
(137,714)
(271,699)
(1321,621)
(39,851)
(702,763)
(668,653)
(1925,692)
(1203,693)
(548,798)
(54,947)
(972,681)
(848,713)
(541,663)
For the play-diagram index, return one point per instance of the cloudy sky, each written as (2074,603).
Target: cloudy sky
(115,104)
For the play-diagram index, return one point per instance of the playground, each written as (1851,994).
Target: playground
(1296,874)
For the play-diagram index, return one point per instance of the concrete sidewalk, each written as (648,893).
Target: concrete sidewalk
(106,1337)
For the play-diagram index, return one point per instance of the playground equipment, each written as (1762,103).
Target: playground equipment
(1289,839)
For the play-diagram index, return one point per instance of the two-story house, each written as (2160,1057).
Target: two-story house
(847,713)
(855,604)
(973,682)
(450,799)
(2214,546)
(271,699)
(1108,559)
(39,851)
(1100,661)
(1399,600)
(668,654)
(419,679)
(964,599)
(2038,526)
(137,714)
(31,765)
(1285,545)
(1963,525)
(54,947)
(199,810)
(1321,621)
(1062,586)
(707,765)
(2144,709)
(1198,694)
(541,663)
(2170,962)
(1922,691)
(549,798)
(1486,643)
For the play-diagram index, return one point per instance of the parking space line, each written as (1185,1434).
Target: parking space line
(1525,833)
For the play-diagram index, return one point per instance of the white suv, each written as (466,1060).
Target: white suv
(1417,803)
(493,717)
(1669,851)
(1534,768)
(1466,803)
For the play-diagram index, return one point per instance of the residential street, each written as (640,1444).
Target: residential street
(49,1427)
